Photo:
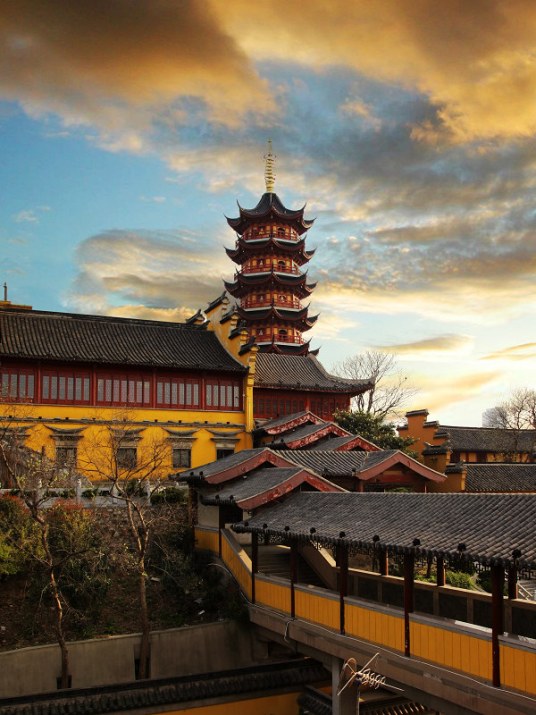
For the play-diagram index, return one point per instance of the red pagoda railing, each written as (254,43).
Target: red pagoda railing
(291,303)
(249,236)
(295,339)
(267,268)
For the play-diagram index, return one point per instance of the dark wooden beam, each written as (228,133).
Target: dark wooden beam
(293,576)
(512,583)
(497,620)
(409,588)
(254,562)
(441,574)
(342,562)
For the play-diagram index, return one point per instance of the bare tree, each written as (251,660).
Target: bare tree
(33,475)
(132,461)
(517,412)
(391,389)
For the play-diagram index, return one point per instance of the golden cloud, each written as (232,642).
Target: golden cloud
(89,57)
(525,351)
(474,60)
(441,343)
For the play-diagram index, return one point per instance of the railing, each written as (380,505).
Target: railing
(446,643)
(291,303)
(269,267)
(250,236)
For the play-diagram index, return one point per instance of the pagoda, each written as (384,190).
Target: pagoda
(269,284)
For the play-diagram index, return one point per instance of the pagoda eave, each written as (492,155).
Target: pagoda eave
(270,205)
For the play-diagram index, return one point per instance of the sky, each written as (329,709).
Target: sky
(129,130)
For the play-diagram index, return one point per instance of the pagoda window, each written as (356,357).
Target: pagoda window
(282,331)
(281,265)
(281,232)
(261,229)
(261,262)
(17,384)
(283,298)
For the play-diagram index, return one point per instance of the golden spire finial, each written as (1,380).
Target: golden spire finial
(269,176)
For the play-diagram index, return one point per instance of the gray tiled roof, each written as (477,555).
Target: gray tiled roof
(489,526)
(207,470)
(114,341)
(255,483)
(500,478)
(301,432)
(329,463)
(162,695)
(279,421)
(302,372)
(333,443)
(488,439)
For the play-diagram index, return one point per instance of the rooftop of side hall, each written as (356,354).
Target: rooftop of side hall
(441,445)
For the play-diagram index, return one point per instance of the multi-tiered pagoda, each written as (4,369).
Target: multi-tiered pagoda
(270,285)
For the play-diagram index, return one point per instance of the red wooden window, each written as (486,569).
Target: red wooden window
(222,394)
(178,392)
(65,386)
(17,384)
(123,389)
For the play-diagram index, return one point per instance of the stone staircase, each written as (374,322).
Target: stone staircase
(275,561)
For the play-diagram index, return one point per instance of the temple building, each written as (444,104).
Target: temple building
(269,284)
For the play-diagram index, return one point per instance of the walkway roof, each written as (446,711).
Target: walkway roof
(485,528)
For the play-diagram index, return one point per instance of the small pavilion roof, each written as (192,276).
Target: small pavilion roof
(308,434)
(303,372)
(486,528)
(264,485)
(33,334)
(282,424)
(332,443)
(364,465)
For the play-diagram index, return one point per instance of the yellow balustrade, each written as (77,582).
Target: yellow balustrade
(518,669)
(237,565)
(273,595)
(375,626)
(206,540)
(317,608)
(452,649)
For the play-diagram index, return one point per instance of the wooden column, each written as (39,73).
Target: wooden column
(383,559)
(512,583)
(221,526)
(409,587)
(342,562)
(440,567)
(254,562)
(293,576)
(497,620)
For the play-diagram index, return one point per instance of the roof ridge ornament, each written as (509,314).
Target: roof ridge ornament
(269,176)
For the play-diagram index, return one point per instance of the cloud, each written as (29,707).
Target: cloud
(113,64)
(438,344)
(526,351)
(153,199)
(146,273)
(474,61)
(26,216)
(457,390)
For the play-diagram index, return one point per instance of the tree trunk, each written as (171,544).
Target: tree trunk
(144,670)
